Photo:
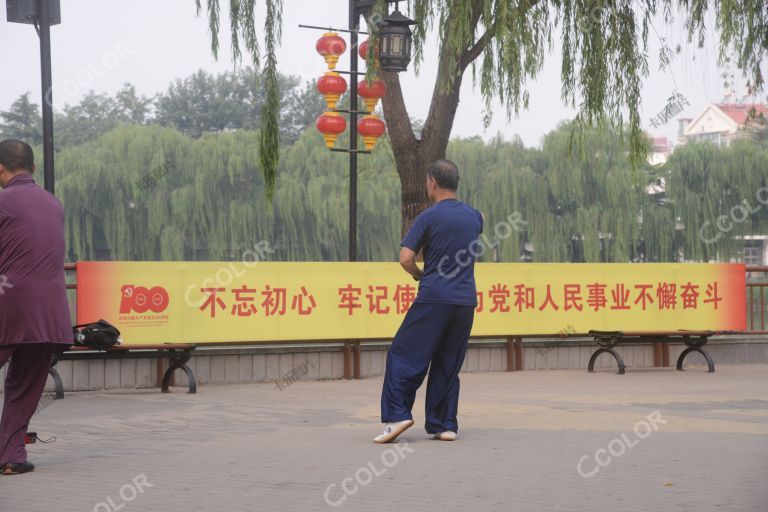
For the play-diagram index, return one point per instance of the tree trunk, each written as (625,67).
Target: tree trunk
(407,152)
(413,155)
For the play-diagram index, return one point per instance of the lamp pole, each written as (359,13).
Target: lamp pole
(354,26)
(42,14)
(328,123)
(44,21)
(356,9)
(398,52)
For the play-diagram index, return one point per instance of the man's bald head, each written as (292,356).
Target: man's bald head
(16,156)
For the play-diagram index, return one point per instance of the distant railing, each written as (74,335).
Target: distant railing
(757,299)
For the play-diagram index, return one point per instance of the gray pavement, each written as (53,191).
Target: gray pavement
(650,440)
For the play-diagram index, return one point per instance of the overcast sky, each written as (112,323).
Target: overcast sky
(102,44)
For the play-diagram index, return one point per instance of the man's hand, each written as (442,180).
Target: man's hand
(408,262)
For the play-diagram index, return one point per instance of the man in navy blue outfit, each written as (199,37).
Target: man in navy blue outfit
(435,331)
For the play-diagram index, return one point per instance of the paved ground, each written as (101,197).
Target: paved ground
(653,440)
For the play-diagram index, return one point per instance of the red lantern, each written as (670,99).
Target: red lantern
(332,86)
(331,46)
(371,128)
(372,93)
(331,124)
(363,50)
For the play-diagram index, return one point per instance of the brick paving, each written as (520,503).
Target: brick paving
(307,447)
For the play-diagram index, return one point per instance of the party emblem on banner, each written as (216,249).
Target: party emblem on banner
(141,300)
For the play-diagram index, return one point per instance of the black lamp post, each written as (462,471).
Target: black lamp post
(395,41)
(42,14)
(395,32)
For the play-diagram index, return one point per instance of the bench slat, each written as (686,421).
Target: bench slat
(635,334)
(126,348)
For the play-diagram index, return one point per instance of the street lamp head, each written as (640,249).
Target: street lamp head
(396,41)
(25,11)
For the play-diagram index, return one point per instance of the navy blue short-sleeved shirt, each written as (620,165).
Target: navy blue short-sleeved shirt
(447,232)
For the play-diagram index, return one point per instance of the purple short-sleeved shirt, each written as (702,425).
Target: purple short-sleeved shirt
(33,296)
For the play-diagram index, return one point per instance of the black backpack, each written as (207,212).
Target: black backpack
(99,334)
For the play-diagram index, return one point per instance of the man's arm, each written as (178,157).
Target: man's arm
(408,262)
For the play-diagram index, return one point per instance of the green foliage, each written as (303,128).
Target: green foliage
(22,121)
(243,29)
(204,207)
(299,109)
(743,25)
(201,103)
(96,114)
(204,103)
(575,209)
(719,196)
(201,205)
(604,50)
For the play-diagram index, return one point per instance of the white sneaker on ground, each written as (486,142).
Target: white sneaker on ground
(445,436)
(392,430)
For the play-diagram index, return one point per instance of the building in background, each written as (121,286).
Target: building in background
(661,149)
(755,250)
(721,123)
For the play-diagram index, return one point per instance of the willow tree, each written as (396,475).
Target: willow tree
(153,193)
(144,192)
(604,46)
(719,198)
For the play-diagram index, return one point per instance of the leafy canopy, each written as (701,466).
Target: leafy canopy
(604,47)
(151,193)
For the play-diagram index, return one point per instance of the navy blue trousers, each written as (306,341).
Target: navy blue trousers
(434,337)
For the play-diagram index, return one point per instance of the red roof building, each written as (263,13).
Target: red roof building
(720,123)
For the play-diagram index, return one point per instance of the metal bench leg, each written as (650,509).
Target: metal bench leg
(57,383)
(616,356)
(56,378)
(179,363)
(695,346)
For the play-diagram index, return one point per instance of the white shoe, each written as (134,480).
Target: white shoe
(445,436)
(392,430)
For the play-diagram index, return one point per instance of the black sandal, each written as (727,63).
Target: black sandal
(17,469)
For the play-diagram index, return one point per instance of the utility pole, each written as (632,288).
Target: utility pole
(398,55)
(43,24)
(354,26)
(42,14)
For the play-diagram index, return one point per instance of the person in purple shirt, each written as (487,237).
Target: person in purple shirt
(34,315)
(435,331)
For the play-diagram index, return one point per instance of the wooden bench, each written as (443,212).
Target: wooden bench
(607,340)
(177,354)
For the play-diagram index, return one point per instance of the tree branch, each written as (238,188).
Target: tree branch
(445,100)
(476,49)
(474,52)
